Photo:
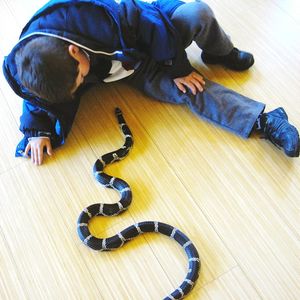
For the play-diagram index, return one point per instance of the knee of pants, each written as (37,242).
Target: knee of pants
(200,12)
(192,18)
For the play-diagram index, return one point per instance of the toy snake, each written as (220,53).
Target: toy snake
(118,240)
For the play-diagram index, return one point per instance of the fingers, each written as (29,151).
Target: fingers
(39,156)
(194,86)
(49,148)
(27,149)
(35,155)
(194,81)
(198,77)
(200,82)
(36,147)
(180,86)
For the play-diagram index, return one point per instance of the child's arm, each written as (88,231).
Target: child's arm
(45,129)
(36,126)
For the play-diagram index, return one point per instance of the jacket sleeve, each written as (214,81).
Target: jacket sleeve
(34,120)
(178,66)
(156,36)
(164,46)
(54,123)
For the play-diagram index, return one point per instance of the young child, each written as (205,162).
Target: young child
(68,45)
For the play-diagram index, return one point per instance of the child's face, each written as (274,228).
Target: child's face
(83,65)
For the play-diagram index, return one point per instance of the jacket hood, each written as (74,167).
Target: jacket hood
(76,22)
(70,20)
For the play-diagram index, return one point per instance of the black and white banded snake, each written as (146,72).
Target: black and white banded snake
(118,240)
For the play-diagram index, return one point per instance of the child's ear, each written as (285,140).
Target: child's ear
(74,51)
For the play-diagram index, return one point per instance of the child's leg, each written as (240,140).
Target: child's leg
(216,104)
(195,21)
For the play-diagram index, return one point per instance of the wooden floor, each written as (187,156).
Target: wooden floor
(238,200)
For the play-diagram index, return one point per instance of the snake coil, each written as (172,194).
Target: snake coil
(118,240)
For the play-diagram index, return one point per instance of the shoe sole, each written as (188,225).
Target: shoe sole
(293,153)
(214,62)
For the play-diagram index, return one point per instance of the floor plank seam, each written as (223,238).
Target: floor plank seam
(6,171)
(9,250)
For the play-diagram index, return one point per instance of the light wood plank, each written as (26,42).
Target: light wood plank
(9,137)
(9,276)
(238,200)
(231,285)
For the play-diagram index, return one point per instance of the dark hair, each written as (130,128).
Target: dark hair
(46,68)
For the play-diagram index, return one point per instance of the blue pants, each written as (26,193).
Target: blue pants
(195,21)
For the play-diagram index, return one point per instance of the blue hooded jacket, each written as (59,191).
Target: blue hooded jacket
(127,32)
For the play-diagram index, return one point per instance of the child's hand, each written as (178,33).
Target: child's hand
(37,145)
(194,81)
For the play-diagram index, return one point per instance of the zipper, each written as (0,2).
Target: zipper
(117,52)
